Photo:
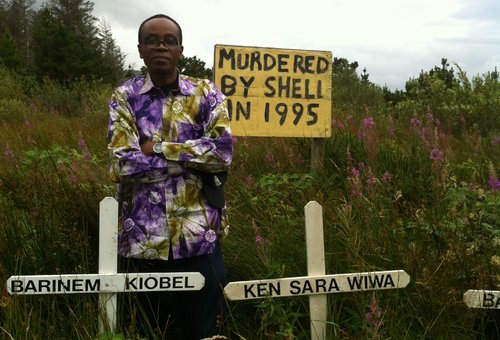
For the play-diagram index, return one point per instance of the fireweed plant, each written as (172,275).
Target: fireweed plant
(410,184)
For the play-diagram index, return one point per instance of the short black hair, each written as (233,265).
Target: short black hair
(164,17)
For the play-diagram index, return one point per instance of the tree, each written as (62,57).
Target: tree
(9,53)
(19,15)
(81,53)
(69,44)
(49,42)
(3,15)
(423,85)
(75,15)
(16,17)
(195,67)
(113,58)
(351,92)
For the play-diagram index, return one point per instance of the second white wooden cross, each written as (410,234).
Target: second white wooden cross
(317,284)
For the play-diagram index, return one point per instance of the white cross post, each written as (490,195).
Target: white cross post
(108,260)
(108,281)
(316,284)
(316,267)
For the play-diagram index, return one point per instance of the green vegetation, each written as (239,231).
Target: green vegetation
(63,42)
(409,183)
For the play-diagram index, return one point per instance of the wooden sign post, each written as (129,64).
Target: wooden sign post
(489,299)
(316,284)
(276,92)
(108,282)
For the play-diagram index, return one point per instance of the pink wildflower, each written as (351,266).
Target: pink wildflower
(355,172)
(356,183)
(374,316)
(416,123)
(82,146)
(494,183)
(391,132)
(8,153)
(372,180)
(437,155)
(368,123)
(430,117)
(386,177)
(249,181)
(261,240)
(269,157)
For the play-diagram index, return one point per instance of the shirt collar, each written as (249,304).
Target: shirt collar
(184,86)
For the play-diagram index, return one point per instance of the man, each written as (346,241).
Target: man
(170,146)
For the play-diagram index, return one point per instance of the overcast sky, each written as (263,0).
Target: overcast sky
(393,39)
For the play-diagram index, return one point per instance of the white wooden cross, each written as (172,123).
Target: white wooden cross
(108,281)
(316,284)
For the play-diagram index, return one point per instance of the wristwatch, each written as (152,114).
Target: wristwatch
(157,149)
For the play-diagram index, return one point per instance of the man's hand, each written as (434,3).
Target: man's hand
(147,148)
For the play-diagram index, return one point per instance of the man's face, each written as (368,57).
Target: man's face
(159,47)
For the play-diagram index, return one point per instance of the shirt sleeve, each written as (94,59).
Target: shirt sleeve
(212,152)
(128,163)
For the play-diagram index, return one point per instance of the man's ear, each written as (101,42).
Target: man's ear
(140,50)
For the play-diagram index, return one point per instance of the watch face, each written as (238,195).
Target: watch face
(157,148)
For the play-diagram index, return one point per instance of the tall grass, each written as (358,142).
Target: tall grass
(401,189)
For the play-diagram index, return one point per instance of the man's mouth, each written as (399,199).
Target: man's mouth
(162,59)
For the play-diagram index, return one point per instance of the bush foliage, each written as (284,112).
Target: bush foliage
(410,181)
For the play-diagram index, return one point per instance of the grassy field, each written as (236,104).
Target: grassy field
(411,186)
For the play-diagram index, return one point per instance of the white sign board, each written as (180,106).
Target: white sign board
(104,283)
(310,285)
(482,299)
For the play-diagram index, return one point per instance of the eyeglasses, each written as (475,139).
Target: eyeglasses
(155,42)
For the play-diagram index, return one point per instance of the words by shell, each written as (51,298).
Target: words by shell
(276,91)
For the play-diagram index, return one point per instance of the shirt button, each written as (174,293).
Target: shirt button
(150,253)
(177,107)
(210,236)
(181,212)
(154,197)
(128,224)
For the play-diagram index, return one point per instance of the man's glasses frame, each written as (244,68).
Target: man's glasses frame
(155,42)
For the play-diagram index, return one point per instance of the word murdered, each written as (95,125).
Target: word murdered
(309,285)
(482,299)
(99,283)
(275,92)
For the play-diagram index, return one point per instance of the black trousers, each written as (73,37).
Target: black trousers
(196,314)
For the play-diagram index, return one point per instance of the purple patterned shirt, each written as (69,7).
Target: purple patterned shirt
(161,198)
